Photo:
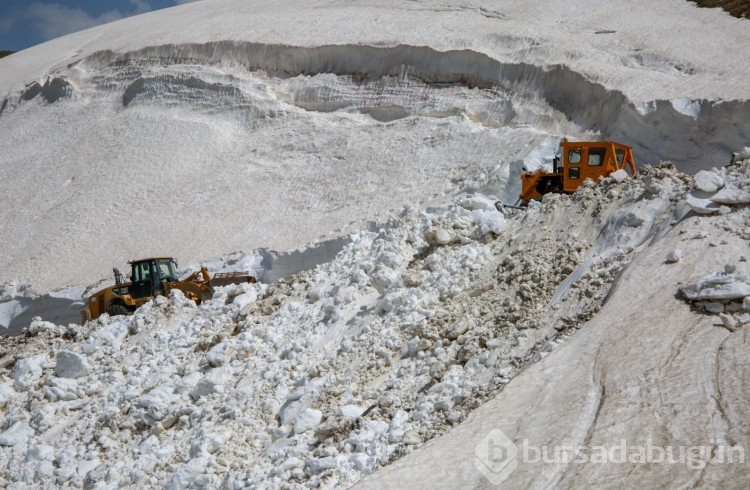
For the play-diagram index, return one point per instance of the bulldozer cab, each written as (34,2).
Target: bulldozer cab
(578,161)
(591,160)
(148,275)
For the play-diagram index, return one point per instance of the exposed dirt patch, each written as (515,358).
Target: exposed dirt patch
(737,8)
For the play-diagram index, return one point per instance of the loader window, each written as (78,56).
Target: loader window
(596,157)
(141,272)
(167,270)
(574,172)
(574,156)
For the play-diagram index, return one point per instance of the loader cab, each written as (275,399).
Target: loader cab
(148,275)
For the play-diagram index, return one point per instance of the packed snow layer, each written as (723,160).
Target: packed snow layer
(223,126)
(620,45)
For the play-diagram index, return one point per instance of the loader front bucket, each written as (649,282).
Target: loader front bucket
(198,292)
(224,278)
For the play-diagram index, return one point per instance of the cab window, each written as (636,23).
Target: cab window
(596,157)
(574,156)
(620,154)
(141,272)
(167,270)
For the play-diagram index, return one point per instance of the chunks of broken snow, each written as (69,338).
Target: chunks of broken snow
(38,325)
(712,191)
(71,365)
(731,196)
(212,383)
(619,175)
(743,154)
(701,205)
(18,433)
(352,411)
(674,256)
(438,237)
(707,181)
(308,419)
(725,293)
(187,474)
(484,213)
(478,201)
(718,286)
(26,372)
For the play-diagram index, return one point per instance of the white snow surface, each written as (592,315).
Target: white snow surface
(423,320)
(231,125)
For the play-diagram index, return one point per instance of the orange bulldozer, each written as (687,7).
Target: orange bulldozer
(579,160)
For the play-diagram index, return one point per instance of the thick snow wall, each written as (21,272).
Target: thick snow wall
(683,131)
(280,265)
(17,313)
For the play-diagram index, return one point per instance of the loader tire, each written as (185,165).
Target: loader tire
(114,310)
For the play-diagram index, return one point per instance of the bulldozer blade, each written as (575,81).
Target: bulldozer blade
(499,205)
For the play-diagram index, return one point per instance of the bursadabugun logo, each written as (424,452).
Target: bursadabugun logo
(496,456)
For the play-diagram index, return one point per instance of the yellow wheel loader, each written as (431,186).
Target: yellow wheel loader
(579,160)
(152,277)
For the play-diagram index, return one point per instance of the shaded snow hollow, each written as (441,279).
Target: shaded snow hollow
(234,125)
(446,321)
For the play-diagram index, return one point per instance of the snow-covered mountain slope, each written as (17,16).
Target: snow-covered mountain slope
(231,125)
(425,319)
(327,376)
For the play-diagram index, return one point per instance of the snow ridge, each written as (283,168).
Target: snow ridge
(668,131)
